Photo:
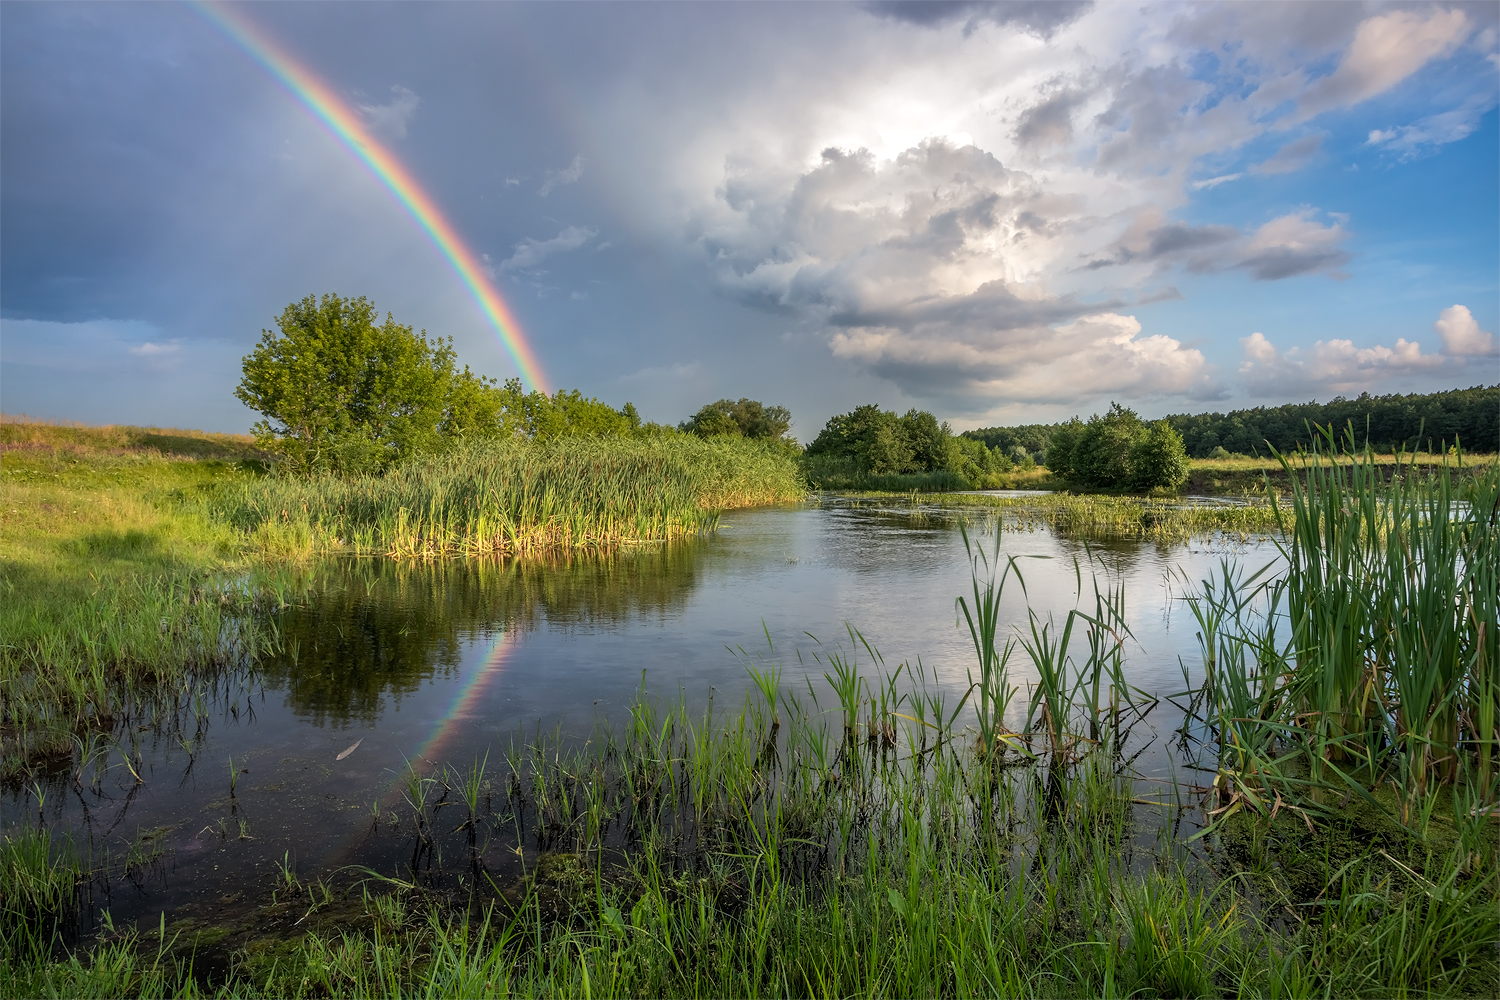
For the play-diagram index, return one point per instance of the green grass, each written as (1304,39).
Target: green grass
(518,497)
(109,581)
(867,840)
(1094,516)
(1374,658)
(778,851)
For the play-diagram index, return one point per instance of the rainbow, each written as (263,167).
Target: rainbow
(346,125)
(460,709)
(467,696)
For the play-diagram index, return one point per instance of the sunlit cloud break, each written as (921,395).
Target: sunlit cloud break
(350,127)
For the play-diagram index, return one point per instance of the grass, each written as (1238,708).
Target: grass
(1094,516)
(825,472)
(517,497)
(787,850)
(110,585)
(1242,475)
(870,839)
(1374,659)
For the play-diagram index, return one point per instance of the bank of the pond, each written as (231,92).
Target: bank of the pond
(897,839)
(135,560)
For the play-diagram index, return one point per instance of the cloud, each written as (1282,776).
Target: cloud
(557,178)
(1331,365)
(1386,49)
(1049,123)
(1213,182)
(389,121)
(1294,244)
(531,252)
(924,270)
(1410,141)
(101,345)
(149,349)
(1461,334)
(1291,157)
(1092,356)
(1037,17)
(1285,247)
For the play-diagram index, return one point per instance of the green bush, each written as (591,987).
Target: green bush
(1118,451)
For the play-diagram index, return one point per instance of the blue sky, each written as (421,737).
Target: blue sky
(999,212)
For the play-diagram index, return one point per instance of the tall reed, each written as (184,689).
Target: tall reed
(517,496)
(1373,655)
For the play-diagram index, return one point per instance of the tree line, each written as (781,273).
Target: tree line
(341,392)
(1418,421)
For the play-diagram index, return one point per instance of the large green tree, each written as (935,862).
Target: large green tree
(744,418)
(340,393)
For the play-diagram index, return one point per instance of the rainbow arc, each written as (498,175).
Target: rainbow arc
(347,125)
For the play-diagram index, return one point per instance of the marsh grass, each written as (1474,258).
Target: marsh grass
(1242,475)
(687,853)
(518,497)
(140,564)
(1374,657)
(866,841)
(1092,516)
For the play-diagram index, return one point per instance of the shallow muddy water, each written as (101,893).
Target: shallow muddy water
(393,667)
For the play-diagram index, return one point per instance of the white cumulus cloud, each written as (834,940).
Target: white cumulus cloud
(1461,334)
(1386,49)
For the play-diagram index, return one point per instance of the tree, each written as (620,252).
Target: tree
(1061,446)
(1101,456)
(745,418)
(342,394)
(1158,459)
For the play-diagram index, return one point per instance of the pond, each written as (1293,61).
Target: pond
(395,668)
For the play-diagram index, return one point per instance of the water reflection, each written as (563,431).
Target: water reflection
(362,629)
(429,666)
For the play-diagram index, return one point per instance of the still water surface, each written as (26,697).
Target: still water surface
(435,665)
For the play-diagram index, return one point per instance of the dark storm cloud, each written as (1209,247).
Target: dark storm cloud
(1286,247)
(1039,17)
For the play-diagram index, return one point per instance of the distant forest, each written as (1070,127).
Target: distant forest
(1471,416)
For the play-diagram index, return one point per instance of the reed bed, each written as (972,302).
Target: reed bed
(1093,516)
(1373,658)
(518,497)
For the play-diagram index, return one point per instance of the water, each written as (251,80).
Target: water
(402,666)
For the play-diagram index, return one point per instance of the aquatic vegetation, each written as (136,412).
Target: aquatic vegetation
(518,497)
(1373,657)
(1093,516)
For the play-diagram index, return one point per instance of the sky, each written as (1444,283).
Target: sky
(1002,213)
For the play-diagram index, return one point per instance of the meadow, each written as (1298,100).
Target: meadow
(852,830)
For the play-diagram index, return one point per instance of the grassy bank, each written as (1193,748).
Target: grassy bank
(134,559)
(876,836)
(111,585)
(1240,476)
(828,472)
